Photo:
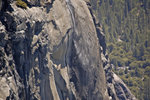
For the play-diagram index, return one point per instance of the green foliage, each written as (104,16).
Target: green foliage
(127,27)
(21,4)
(121,72)
(147,71)
(146,89)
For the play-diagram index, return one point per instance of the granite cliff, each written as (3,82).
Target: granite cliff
(55,50)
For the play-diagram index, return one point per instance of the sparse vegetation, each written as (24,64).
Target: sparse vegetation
(21,4)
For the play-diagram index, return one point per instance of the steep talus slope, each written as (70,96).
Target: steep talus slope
(52,50)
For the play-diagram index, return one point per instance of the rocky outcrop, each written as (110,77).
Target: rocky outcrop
(53,50)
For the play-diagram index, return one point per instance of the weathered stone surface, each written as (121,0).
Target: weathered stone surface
(38,2)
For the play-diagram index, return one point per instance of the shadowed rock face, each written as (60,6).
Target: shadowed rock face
(53,50)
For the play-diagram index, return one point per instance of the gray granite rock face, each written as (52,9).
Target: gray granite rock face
(53,50)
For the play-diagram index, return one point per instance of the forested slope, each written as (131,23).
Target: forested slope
(126,24)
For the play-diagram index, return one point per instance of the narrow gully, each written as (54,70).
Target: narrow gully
(68,2)
(70,35)
(69,43)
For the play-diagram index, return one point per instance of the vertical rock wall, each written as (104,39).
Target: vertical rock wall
(50,51)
